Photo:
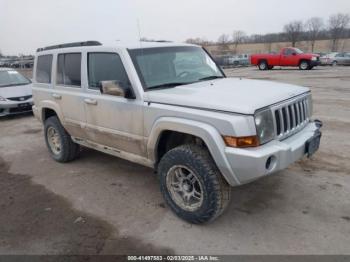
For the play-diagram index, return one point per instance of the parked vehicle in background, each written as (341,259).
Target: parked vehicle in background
(232,60)
(328,59)
(239,60)
(341,59)
(288,56)
(170,107)
(15,93)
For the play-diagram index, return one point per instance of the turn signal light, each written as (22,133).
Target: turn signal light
(241,142)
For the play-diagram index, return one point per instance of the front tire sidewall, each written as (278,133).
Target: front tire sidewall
(304,65)
(211,205)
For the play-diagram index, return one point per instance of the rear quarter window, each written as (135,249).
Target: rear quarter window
(43,69)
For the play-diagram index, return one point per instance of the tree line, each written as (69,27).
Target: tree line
(316,28)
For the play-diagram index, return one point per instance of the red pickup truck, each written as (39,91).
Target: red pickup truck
(288,56)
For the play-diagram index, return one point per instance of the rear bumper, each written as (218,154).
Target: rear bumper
(15,107)
(251,164)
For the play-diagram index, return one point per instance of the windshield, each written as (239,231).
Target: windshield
(12,78)
(172,66)
(298,51)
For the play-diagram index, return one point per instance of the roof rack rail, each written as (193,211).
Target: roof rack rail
(156,41)
(75,44)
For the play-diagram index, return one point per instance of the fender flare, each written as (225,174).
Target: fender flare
(47,104)
(206,132)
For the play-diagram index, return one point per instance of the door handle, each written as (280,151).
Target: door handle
(57,96)
(90,101)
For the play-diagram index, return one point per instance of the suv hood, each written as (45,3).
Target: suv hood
(16,91)
(235,95)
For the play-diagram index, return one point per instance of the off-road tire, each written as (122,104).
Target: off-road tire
(69,149)
(263,65)
(304,65)
(216,191)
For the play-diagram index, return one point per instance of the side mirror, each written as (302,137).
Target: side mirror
(294,53)
(112,88)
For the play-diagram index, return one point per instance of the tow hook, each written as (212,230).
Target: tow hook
(318,123)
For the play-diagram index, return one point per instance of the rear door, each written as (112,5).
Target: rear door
(68,92)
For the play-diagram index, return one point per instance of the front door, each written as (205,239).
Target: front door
(289,57)
(112,121)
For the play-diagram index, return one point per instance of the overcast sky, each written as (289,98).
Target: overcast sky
(28,24)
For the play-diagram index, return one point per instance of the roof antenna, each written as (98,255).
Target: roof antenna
(139,29)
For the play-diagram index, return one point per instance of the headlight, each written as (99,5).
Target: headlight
(314,58)
(2,99)
(264,125)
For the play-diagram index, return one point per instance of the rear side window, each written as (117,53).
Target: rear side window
(104,67)
(43,69)
(69,69)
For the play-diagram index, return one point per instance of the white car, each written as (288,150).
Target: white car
(328,59)
(170,107)
(15,93)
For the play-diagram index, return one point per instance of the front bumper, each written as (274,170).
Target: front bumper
(315,63)
(15,107)
(251,164)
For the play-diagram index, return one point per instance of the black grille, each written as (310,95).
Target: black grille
(21,109)
(20,98)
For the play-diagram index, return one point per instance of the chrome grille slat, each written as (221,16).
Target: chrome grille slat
(298,113)
(290,117)
(293,116)
(281,120)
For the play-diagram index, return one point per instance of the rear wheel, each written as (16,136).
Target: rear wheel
(192,185)
(59,142)
(304,65)
(263,65)
(334,63)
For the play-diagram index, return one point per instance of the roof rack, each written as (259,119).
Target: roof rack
(156,41)
(75,44)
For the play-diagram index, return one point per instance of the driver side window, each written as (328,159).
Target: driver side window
(288,51)
(105,67)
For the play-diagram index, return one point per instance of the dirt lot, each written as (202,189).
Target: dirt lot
(103,205)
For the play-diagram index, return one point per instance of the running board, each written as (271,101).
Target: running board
(114,152)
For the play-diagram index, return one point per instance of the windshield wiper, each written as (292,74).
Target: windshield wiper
(210,78)
(167,85)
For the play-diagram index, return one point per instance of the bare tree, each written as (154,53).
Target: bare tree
(337,26)
(238,37)
(314,26)
(293,31)
(224,40)
(197,41)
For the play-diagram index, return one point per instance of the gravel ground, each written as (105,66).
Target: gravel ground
(100,204)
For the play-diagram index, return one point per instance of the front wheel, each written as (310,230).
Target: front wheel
(192,185)
(304,65)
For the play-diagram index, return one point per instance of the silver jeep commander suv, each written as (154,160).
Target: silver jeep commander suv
(170,107)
